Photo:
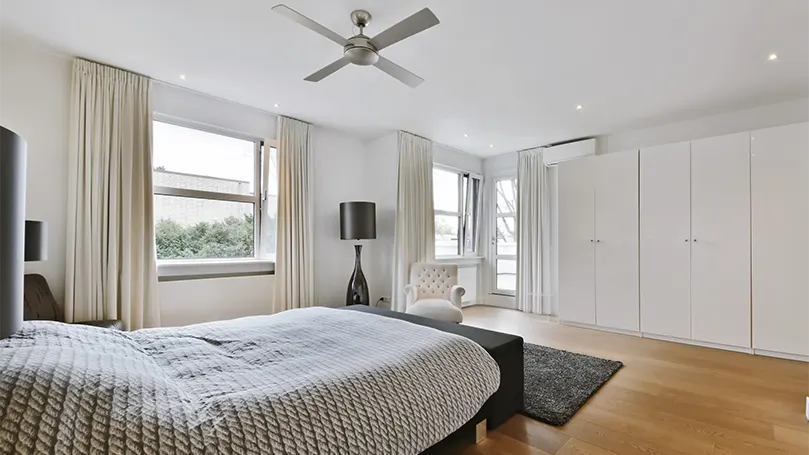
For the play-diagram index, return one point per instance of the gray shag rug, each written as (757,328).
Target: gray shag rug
(558,383)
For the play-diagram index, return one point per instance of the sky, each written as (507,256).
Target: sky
(190,151)
(445,190)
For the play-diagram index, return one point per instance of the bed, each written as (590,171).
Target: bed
(304,381)
(504,348)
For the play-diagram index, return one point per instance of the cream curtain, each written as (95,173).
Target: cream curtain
(533,233)
(294,264)
(111,270)
(415,221)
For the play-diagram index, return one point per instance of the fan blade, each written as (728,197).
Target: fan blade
(416,23)
(398,72)
(327,70)
(290,13)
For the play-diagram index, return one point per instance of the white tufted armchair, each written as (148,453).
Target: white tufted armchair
(434,293)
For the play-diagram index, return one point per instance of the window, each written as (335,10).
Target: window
(505,236)
(456,197)
(215,195)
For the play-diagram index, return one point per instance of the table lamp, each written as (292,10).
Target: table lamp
(357,222)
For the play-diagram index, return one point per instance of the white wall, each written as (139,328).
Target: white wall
(504,165)
(457,159)
(382,158)
(340,176)
(189,302)
(34,102)
(190,105)
(785,113)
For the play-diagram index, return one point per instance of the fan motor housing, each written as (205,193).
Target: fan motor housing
(360,51)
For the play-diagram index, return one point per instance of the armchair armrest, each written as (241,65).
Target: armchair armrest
(412,294)
(455,294)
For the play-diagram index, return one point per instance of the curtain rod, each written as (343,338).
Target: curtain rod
(556,144)
(417,135)
(113,67)
(293,118)
(532,148)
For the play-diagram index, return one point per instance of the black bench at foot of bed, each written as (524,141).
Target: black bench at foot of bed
(505,349)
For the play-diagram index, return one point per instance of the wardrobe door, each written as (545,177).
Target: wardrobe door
(576,242)
(780,223)
(720,240)
(665,240)
(616,251)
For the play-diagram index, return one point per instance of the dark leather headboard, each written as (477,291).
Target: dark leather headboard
(39,302)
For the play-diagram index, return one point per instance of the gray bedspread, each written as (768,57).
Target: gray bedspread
(310,381)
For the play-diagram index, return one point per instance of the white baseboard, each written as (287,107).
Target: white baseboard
(600,328)
(651,336)
(781,355)
(703,344)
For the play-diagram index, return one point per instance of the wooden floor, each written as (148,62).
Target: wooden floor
(668,399)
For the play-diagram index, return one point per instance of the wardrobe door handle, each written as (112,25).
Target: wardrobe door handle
(686,240)
(598,241)
(695,240)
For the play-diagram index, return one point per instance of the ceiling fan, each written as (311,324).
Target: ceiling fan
(363,50)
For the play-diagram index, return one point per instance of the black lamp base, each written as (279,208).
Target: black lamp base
(357,293)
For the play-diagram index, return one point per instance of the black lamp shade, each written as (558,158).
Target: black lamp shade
(36,241)
(12,231)
(357,220)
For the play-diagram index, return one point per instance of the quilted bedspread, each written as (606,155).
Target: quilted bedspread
(309,381)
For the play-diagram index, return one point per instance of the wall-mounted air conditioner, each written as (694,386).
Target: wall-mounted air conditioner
(569,151)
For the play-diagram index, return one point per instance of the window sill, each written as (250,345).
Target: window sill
(209,269)
(460,260)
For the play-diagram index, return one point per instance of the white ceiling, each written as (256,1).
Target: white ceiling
(508,73)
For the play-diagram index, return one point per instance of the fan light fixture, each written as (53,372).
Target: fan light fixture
(363,50)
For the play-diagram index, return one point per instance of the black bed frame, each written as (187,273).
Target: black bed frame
(505,349)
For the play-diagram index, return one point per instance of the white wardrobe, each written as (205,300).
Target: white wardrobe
(598,236)
(695,240)
(703,241)
(780,234)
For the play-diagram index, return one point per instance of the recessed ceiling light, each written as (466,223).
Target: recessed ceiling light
(276,105)
(182,76)
(579,107)
(491,146)
(465,135)
(772,57)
